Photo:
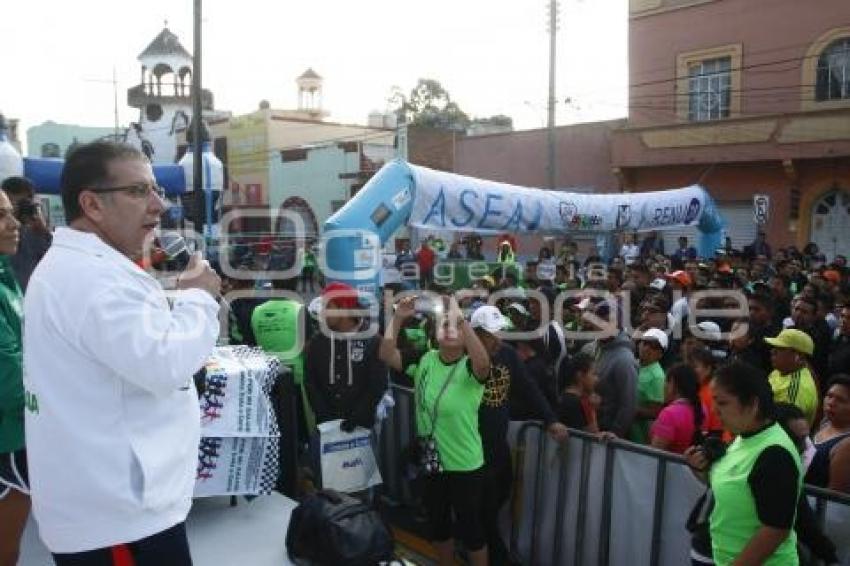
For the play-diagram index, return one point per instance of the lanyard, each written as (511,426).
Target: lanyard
(432,415)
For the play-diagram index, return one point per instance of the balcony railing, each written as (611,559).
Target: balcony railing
(146,93)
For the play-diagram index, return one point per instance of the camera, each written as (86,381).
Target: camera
(713,448)
(27,209)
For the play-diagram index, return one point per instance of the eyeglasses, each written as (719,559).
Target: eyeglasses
(138,190)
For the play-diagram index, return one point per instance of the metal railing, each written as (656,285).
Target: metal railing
(591,502)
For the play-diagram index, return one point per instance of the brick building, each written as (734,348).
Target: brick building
(744,97)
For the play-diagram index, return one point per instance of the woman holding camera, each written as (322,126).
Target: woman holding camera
(449,386)
(757,483)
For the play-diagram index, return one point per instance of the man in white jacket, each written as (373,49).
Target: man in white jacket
(112,422)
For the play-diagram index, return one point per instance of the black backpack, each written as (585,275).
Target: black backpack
(331,528)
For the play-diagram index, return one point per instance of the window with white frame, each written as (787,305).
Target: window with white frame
(833,73)
(709,89)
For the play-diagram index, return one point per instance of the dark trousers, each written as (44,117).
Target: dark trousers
(307,279)
(167,548)
(458,495)
(498,478)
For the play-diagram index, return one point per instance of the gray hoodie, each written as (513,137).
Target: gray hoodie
(617,369)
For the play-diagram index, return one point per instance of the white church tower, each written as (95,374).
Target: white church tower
(310,95)
(164,95)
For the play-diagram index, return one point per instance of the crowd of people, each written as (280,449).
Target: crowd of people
(737,361)
(632,348)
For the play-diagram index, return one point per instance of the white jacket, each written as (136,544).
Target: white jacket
(113,424)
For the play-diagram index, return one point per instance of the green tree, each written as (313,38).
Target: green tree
(429,104)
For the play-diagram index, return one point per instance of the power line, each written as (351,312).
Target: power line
(731,69)
(736,13)
(259,157)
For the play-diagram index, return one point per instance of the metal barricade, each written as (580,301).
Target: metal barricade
(631,500)
(591,502)
(397,432)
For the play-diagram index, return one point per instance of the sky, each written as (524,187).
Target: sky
(491,55)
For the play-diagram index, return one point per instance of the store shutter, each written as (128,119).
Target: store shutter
(740,226)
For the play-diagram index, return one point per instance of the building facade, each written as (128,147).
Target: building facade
(521,158)
(164,98)
(314,182)
(583,164)
(293,159)
(12,131)
(51,139)
(744,97)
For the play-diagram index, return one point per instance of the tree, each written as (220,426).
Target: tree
(429,104)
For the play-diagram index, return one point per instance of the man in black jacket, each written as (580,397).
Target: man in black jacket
(761,325)
(507,384)
(804,315)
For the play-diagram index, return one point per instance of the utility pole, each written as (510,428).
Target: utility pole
(197,143)
(553,33)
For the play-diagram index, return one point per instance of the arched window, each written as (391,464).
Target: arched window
(185,77)
(287,227)
(833,72)
(166,84)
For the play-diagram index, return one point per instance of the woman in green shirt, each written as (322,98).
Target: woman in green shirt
(14,488)
(449,386)
(757,482)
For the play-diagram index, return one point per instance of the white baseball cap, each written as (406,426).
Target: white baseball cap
(488,318)
(658,284)
(655,335)
(709,331)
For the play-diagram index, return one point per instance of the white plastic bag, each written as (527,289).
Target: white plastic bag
(347,460)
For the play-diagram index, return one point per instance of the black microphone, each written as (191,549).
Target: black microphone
(175,249)
(177,252)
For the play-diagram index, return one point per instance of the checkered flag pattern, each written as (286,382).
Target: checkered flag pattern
(261,474)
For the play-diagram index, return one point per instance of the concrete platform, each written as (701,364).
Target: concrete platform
(252,533)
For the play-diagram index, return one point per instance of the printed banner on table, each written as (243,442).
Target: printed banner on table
(348,462)
(233,402)
(445,201)
(240,447)
(236,466)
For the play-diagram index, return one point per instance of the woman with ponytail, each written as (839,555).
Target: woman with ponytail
(679,424)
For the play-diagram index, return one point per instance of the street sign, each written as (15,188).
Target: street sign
(761,209)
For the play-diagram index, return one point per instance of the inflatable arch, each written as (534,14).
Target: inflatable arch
(401,193)
(175,179)
(45,173)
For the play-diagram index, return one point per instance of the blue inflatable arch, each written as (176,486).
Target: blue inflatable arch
(45,173)
(401,193)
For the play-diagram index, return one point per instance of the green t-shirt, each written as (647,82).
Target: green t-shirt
(650,389)
(456,431)
(734,519)
(11,361)
(797,388)
(276,329)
